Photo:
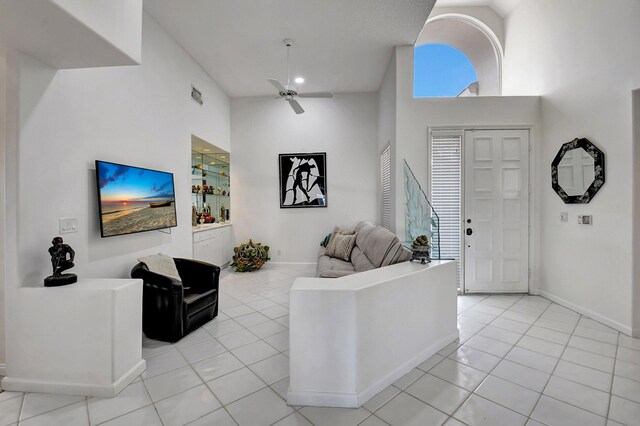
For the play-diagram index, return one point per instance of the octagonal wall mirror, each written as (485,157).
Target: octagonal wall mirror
(577,171)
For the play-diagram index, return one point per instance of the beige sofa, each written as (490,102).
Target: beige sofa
(375,247)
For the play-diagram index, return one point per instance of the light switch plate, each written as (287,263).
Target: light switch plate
(68,225)
(584,219)
(564,217)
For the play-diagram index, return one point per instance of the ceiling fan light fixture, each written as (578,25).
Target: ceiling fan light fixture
(290,94)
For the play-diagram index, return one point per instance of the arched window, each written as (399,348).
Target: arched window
(448,49)
(441,71)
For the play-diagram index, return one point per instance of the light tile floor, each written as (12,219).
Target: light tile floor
(520,360)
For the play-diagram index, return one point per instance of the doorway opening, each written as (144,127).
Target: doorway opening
(479,186)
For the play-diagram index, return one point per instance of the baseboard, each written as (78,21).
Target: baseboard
(376,388)
(129,376)
(357,399)
(593,315)
(322,399)
(3,369)
(291,265)
(83,389)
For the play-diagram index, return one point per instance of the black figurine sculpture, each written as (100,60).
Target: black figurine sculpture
(60,263)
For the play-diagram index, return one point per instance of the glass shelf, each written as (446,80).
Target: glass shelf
(200,173)
(211,169)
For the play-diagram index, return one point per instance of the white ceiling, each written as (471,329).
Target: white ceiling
(340,46)
(503,7)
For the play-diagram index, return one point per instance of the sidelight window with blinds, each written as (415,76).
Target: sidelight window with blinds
(385,188)
(446,192)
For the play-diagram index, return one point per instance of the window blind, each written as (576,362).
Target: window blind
(385,188)
(446,193)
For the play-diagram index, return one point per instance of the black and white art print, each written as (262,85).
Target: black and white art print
(303,180)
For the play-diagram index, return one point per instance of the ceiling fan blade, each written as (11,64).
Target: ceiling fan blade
(296,106)
(277,85)
(316,95)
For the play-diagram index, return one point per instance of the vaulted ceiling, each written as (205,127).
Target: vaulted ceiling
(502,7)
(340,46)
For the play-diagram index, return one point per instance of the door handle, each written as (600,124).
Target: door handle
(469,231)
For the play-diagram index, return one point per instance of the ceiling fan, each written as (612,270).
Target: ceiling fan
(289,94)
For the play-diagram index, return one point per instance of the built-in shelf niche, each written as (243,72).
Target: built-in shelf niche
(210,178)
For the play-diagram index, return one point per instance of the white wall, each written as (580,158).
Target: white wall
(474,40)
(344,127)
(635,312)
(139,115)
(485,14)
(387,128)
(59,122)
(581,56)
(74,33)
(118,21)
(416,115)
(3,73)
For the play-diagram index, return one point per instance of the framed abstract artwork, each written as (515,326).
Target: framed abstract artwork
(303,180)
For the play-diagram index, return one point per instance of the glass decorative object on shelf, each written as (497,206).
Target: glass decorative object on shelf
(420,217)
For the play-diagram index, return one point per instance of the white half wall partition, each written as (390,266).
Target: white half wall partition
(351,337)
(80,339)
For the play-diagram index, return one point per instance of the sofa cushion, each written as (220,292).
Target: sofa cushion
(162,264)
(338,231)
(341,246)
(381,246)
(326,263)
(360,261)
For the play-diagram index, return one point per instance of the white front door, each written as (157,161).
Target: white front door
(496,211)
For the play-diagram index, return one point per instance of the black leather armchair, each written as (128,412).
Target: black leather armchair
(171,310)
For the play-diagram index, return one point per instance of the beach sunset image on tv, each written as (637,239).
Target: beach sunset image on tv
(133,199)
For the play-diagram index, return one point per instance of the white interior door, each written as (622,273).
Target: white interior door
(496,211)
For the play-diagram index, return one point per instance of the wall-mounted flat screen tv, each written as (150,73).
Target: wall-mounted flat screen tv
(133,199)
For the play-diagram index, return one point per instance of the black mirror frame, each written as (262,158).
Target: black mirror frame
(598,181)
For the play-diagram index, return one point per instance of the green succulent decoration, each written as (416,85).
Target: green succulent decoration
(249,256)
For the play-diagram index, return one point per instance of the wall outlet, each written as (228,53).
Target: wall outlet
(564,217)
(68,225)
(584,219)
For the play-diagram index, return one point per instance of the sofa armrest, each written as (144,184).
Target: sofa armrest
(200,276)
(156,281)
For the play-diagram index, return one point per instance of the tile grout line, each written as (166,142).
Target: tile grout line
(152,402)
(471,393)
(567,403)
(551,374)
(86,404)
(24,396)
(503,358)
(22,404)
(275,292)
(613,378)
